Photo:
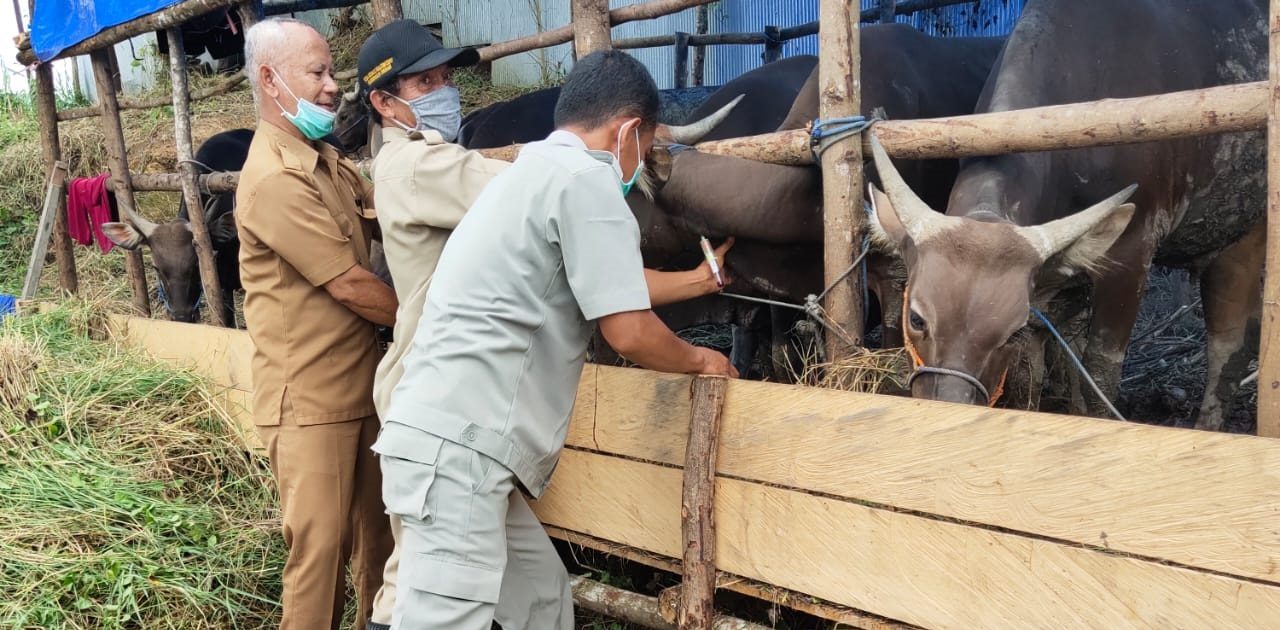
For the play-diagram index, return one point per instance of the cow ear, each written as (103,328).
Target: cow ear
(1088,253)
(124,235)
(885,227)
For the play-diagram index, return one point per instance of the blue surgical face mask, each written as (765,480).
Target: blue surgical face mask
(313,121)
(439,110)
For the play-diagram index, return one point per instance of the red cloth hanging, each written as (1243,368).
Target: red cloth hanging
(89,205)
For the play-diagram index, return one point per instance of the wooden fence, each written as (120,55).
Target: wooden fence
(878,511)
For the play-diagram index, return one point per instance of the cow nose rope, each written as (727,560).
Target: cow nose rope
(1078,364)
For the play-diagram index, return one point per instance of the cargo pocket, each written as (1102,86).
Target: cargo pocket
(450,577)
(408,459)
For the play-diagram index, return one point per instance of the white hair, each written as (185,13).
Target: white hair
(264,44)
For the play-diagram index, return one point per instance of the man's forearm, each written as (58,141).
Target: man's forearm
(375,302)
(645,340)
(669,287)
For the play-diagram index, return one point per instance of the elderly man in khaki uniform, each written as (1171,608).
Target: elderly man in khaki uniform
(311,304)
(424,185)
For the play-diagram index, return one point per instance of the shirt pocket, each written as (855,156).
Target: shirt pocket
(409,459)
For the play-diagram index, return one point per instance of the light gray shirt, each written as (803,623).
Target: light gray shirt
(547,248)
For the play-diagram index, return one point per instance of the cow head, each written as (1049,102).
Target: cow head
(352,123)
(173,255)
(972,281)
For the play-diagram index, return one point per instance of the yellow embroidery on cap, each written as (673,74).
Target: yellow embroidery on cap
(377,71)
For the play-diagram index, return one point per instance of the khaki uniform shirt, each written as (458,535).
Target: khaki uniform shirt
(299,207)
(547,249)
(422,188)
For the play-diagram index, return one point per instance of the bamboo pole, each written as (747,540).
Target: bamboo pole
(590,27)
(629,13)
(701,26)
(190,191)
(51,150)
(697,507)
(385,12)
(55,190)
(251,13)
(1224,109)
(157,21)
(840,95)
(1269,350)
(151,103)
(221,182)
(119,166)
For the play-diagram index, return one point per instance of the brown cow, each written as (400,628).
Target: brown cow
(1011,239)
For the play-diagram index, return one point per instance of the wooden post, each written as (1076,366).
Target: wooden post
(591,30)
(186,166)
(250,13)
(682,60)
(840,94)
(1269,351)
(55,190)
(385,12)
(697,507)
(119,166)
(51,148)
(887,11)
(700,52)
(773,44)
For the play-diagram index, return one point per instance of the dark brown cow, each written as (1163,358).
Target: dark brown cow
(1012,236)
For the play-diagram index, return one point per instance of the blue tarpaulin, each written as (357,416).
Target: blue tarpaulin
(60,24)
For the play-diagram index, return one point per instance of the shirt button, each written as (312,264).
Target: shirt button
(470,435)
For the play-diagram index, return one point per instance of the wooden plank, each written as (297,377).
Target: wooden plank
(697,505)
(54,198)
(186,164)
(118,161)
(840,96)
(1225,109)
(237,405)
(1269,351)
(222,355)
(51,153)
(1207,500)
(922,571)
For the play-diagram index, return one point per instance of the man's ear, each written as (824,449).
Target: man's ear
(265,82)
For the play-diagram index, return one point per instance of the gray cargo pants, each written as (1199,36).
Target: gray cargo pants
(471,549)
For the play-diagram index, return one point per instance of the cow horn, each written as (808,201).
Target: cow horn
(1053,237)
(138,221)
(693,132)
(913,212)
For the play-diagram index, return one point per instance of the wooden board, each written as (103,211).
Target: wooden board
(1269,351)
(1207,500)
(921,571)
(222,355)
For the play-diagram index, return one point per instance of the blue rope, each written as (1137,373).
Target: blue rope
(823,135)
(1076,361)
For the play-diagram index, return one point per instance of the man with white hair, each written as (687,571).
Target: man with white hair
(311,305)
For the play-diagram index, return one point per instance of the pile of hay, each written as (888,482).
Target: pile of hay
(126,498)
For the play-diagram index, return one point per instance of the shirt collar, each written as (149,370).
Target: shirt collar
(394,132)
(566,139)
(302,152)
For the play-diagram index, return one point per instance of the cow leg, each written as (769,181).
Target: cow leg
(1230,289)
(228,308)
(744,348)
(1117,294)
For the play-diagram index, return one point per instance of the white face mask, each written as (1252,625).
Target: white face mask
(617,163)
(439,109)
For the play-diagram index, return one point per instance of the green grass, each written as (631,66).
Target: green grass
(126,500)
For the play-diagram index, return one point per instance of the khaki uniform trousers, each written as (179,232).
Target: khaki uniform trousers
(471,550)
(332,512)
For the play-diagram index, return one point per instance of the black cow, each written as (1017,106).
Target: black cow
(1012,236)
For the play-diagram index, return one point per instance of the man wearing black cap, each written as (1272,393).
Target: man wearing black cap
(423,184)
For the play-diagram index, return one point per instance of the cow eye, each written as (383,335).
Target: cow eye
(917,322)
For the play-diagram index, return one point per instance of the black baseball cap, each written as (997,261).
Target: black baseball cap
(405,47)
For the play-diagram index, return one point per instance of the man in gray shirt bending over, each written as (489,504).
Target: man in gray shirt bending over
(548,250)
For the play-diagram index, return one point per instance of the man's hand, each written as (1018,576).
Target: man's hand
(669,287)
(715,364)
(704,270)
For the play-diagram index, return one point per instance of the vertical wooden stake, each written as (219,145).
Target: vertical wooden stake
(773,44)
(697,508)
(700,52)
(187,169)
(56,190)
(1269,353)
(119,165)
(385,12)
(840,94)
(51,148)
(682,60)
(886,11)
(591,27)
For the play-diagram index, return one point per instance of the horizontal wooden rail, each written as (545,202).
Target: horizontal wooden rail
(221,182)
(629,13)
(151,103)
(1225,109)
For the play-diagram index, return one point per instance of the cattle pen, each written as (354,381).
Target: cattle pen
(869,511)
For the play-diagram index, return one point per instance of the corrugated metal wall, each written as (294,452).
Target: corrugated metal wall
(477,22)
